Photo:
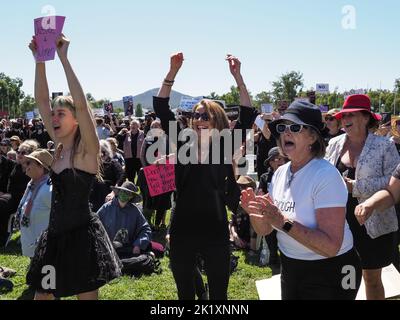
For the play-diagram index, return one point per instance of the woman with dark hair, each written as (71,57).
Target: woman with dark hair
(75,245)
(112,175)
(308,212)
(16,185)
(366,162)
(203,189)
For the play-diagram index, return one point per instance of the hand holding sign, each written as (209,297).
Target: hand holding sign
(62,43)
(160,179)
(47,30)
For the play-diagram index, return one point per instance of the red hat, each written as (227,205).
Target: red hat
(357,103)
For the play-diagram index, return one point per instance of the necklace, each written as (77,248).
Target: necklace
(62,156)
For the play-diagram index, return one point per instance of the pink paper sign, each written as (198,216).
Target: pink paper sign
(47,30)
(160,179)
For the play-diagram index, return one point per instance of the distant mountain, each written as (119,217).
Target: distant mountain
(146,99)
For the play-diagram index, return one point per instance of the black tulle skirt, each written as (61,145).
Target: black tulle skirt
(83,260)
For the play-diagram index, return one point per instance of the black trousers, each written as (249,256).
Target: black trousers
(183,264)
(324,279)
(132,167)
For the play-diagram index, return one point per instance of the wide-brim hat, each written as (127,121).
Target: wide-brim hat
(246,181)
(15,138)
(43,157)
(357,103)
(272,153)
(131,188)
(304,113)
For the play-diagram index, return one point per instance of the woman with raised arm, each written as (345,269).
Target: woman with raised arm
(203,189)
(75,246)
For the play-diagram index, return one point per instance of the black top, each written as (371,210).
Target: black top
(134,138)
(70,200)
(112,174)
(265,180)
(203,191)
(263,147)
(17,183)
(6,167)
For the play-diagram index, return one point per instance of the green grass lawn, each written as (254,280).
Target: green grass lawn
(155,287)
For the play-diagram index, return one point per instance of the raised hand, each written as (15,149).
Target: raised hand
(234,65)
(62,47)
(177,62)
(33,45)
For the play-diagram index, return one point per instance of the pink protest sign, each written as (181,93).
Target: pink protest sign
(160,179)
(47,30)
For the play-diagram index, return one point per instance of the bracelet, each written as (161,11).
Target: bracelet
(169,81)
(167,84)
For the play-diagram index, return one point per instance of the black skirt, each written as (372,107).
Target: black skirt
(83,260)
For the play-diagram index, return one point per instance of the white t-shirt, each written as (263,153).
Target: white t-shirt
(298,196)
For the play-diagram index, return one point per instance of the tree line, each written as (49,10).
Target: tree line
(287,87)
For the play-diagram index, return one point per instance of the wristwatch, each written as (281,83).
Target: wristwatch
(288,225)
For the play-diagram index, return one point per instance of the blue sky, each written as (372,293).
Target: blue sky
(122,47)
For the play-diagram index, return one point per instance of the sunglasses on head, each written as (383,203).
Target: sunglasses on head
(293,128)
(330,118)
(203,116)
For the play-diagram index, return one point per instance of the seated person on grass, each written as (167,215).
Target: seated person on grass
(241,232)
(125,224)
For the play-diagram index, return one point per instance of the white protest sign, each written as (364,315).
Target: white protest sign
(30,115)
(98,112)
(187,104)
(267,108)
(322,88)
(260,122)
(354,91)
(269,289)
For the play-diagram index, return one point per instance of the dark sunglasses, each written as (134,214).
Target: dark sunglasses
(22,153)
(293,128)
(203,116)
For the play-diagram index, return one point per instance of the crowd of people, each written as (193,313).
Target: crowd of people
(325,197)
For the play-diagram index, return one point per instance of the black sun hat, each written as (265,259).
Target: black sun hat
(304,113)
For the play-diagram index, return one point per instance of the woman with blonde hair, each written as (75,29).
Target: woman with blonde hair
(203,188)
(75,245)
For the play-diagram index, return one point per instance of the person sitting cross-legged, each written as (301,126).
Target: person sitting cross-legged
(124,222)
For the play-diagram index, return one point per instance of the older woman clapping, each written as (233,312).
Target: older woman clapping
(366,162)
(306,204)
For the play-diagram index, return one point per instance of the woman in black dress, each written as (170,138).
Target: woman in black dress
(74,256)
(203,189)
